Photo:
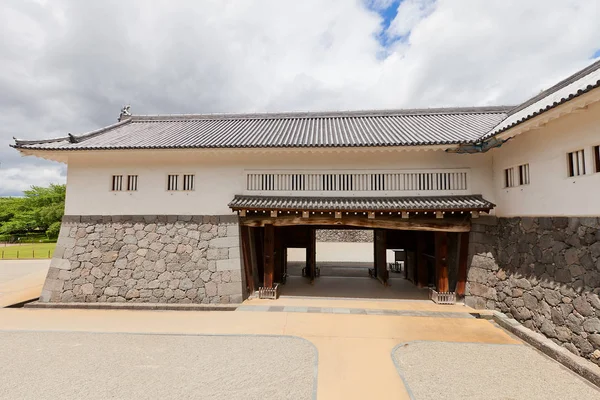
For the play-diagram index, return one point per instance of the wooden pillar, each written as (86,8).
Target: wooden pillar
(247,258)
(269,255)
(441,261)
(422,269)
(380,256)
(311,254)
(463,258)
(278,238)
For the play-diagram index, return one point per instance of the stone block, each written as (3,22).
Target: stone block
(234,252)
(479,290)
(230,288)
(229,265)
(87,289)
(233,230)
(224,242)
(53,285)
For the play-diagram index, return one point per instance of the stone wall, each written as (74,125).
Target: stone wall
(150,259)
(544,272)
(344,235)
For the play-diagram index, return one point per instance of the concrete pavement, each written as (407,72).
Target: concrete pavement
(21,280)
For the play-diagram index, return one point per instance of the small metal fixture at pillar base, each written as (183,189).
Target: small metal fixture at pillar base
(269,293)
(442,297)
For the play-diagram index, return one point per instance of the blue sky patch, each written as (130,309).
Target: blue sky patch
(388,14)
(596,54)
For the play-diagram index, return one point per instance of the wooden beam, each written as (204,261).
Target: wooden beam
(422,269)
(247,258)
(383,222)
(242,213)
(274,213)
(269,256)
(441,261)
(463,258)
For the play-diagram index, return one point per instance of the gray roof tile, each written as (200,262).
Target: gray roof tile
(336,129)
(384,204)
(442,126)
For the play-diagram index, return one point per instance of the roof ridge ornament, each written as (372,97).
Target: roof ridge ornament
(125,112)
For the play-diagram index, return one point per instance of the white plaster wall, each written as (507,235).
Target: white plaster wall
(220,175)
(551,191)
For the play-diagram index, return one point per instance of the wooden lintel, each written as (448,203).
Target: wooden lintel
(274,213)
(384,222)
(305,214)
(338,214)
(242,213)
(405,214)
(475,214)
(371,215)
(439,214)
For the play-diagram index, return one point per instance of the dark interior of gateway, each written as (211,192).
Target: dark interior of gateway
(404,263)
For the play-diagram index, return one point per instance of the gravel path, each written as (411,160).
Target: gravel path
(486,371)
(56,365)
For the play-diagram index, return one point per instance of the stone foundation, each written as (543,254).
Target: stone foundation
(344,235)
(148,259)
(544,272)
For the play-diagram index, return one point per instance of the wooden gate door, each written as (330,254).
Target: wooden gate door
(379,258)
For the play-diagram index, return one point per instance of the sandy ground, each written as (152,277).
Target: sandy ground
(354,351)
(21,280)
(456,371)
(59,365)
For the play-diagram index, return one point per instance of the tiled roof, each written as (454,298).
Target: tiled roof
(417,127)
(336,129)
(396,204)
(575,85)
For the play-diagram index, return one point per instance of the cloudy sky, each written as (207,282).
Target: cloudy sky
(69,65)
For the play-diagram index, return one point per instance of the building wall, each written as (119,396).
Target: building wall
(542,271)
(551,191)
(150,259)
(220,176)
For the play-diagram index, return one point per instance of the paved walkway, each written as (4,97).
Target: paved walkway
(354,350)
(21,280)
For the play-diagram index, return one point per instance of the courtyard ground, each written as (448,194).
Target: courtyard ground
(293,347)
(56,352)
(21,280)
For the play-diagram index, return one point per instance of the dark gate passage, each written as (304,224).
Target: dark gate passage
(434,242)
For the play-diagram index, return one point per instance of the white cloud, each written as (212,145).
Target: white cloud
(69,65)
(410,13)
(13,181)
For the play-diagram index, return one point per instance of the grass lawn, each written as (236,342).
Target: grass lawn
(33,250)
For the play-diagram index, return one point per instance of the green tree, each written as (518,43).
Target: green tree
(41,210)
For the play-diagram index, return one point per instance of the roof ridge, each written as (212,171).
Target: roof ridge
(325,114)
(554,88)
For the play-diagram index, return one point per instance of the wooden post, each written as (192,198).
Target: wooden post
(441,261)
(269,256)
(463,258)
(422,270)
(380,256)
(311,254)
(247,258)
